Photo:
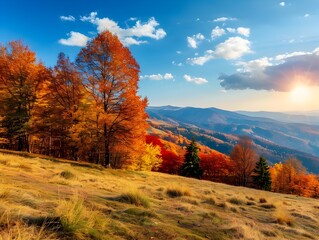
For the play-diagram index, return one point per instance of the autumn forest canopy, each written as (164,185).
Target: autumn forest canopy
(89,110)
(86,110)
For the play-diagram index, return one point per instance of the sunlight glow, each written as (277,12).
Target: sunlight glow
(300,94)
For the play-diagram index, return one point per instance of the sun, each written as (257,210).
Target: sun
(300,94)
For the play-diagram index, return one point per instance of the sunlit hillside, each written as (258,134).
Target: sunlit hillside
(53,199)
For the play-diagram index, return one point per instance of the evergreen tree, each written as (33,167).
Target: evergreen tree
(262,178)
(191,166)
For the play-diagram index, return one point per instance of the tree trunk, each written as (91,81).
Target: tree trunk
(106,148)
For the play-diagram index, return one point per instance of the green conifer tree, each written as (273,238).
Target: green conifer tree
(191,166)
(262,178)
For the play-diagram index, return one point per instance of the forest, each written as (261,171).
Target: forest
(89,110)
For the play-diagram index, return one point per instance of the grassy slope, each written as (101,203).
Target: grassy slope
(43,199)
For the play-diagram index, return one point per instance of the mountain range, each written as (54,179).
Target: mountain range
(276,136)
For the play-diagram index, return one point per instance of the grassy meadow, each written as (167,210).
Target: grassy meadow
(53,199)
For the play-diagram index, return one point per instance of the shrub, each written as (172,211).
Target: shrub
(268,206)
(262,200)
(177,192)
(210,201)
(67,174)
(236,201)
(134,197)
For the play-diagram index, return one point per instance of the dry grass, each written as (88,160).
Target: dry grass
(48,199)
(177,191)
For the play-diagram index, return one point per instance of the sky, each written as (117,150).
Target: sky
(257,55)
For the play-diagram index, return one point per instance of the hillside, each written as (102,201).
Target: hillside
(52,199)
(219,130)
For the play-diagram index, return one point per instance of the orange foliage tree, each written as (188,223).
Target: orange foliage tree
(244,160)
(21,79)
(292,177)
(217,167)
(111,78)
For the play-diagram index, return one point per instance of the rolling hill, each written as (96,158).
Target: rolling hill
(219,130)
(56,199)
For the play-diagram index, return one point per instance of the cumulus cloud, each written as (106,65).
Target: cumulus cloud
(217,32)
(195,40)
(233,48)
(75,39)
(230,49)
(280,73)
(224,19)
(209,55)
(240,30)
(306,15)
(196,80)
(231,30)
(282,4)
(67,18)
(131,35)
(244,31)
(158,77)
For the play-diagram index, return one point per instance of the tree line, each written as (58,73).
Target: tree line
(242,168)
(88,109)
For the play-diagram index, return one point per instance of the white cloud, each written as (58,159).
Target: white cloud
(244,31)
(233,48)
(202,59)
(231,30)
(195,40)
(282,4)
(67,18)
(196,80)
(230,49)
(279,73)
(75,39)
(177,64)
(132,41)
(158,77)
(224,19)
(306,15)
(130,35)
(217,32)
(178,52)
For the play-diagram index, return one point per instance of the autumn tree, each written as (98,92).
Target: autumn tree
(191,166)
(287,176)
(217,167)
(244,159)
(171,162)
(21,79)
(151,159)
(56,114)
(262,178)
(111,78)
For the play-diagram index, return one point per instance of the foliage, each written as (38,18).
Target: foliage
(171,162)
(84,111)
(216,167)
(291,177)
(151,159)
(244,159)
(262,178)
(191,166)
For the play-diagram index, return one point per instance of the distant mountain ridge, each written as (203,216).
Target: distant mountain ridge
(275,139)
(285,117)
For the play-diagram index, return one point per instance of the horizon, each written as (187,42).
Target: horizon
(226,54)
(241,110)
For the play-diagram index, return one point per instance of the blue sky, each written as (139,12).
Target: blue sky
(237,55)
